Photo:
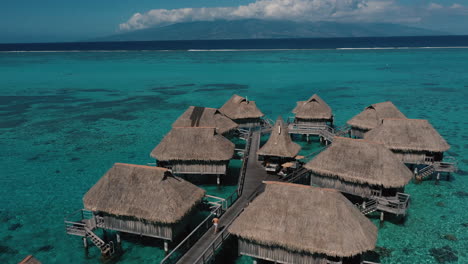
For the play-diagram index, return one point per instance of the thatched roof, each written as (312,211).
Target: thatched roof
(306,219)
(314,108)
(201,144)
(280,143)
(408,135)
(196,116)
(361,161)
(239,107)
(143,192)
(30,260)
(372,115)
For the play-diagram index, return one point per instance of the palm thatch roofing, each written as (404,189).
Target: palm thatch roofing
(280,143)
(408,135)
(239,107)
(194,143)
(361,161)
(314,108)
(196,116)
(306,219)
(30,260)
(143,192)
(372,115)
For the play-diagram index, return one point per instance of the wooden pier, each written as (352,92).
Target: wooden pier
(205,248)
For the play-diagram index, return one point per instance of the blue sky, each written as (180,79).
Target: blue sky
(67,20)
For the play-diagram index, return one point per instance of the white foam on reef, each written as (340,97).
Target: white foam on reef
(387,48)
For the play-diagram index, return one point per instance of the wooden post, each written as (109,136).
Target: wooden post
(381,218)
(326,142)
(448,176)
(218,179)
(254,261)
(363,204)
(119,241)
(166,246)
(85,243)
(437,179)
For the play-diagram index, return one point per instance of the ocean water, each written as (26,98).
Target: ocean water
(67,117)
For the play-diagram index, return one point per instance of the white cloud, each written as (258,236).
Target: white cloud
(299,10)
(434,6)
(302,10)
(456,6)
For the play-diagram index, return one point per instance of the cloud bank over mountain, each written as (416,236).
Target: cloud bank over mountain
(388,11)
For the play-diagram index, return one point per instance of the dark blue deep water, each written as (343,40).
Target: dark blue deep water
(309,43)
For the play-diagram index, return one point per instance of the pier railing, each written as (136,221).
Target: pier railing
(245,160)
(77,221)
(191,238)
(396,205)
(200,230)
(211,251)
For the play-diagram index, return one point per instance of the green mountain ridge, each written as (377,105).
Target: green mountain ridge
(261,29)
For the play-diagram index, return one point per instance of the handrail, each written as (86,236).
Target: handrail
(212,245)
(225,204)
(245,160)
(85,214)
(296,174)
(215,212)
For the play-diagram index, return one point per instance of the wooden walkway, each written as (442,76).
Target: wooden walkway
(253,185)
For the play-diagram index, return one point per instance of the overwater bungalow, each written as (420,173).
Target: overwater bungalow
(194,150)
(279,148)
(364,169)
(196,116)
(290,223)
(143,200)
(371,117)
(242,111)
(314,112)
(414,141)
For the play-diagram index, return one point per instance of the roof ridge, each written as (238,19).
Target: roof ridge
(299,185)
(360,139)
(140,166)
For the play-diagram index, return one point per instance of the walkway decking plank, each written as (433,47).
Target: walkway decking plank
(254,177)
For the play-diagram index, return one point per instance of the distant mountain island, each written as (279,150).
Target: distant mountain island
(267,29)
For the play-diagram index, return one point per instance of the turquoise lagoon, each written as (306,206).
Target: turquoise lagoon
(67,117)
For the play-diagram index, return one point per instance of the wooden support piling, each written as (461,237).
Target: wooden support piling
(166,246)
(381,219)
(218,179)
(85,243)
(437,179)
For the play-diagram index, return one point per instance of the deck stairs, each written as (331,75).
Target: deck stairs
(84,228)
(296,175)
(106,248)
(368,207)
(448,165)
(425,172)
